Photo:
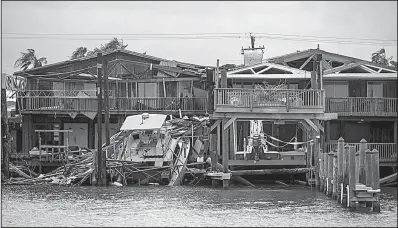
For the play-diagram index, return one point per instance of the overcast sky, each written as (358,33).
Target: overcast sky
(360,20)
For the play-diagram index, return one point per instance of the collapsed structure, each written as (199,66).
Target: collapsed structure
(268,116)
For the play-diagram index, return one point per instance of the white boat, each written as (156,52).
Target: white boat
(144,139)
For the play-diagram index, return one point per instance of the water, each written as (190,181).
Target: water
(184,206)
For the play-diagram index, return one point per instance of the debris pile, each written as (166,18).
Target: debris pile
(80,170)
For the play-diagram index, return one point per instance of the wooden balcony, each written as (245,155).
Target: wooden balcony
(233,100)
(362,106)
(387,151)
(60,101)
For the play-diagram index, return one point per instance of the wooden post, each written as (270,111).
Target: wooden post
(321,174)
(351,177)
(362,154)
(368,168)
(317,156)
(231,140)
(346,165)
(99,168)
(376,179)
(5,137)
(340,167)
(330,173)
(335,173)
(225,152)
(345,175)
(106,100)
(325,170)
(368,172)
(357,167)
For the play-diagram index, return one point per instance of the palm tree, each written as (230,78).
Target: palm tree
(380,57)
(79,52)
(29,59)
(114,44)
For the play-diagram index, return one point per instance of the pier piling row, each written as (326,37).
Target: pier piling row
(351,177)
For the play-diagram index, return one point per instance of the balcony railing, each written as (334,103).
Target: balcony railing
(362,106)
(387,151)
(86,101)
(268,98)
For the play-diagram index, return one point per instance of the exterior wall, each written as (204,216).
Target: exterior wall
(79,136)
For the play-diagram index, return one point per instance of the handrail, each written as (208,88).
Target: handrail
(252,98)
(123,104)
(362,106)
(59,93)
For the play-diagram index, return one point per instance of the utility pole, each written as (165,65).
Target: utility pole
(107,117)
(5,138)
(106,96)
(99,163)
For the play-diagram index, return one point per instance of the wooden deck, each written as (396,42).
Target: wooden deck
(52,102)
(362,106)
(234,100)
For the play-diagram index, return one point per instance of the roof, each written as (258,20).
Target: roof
(179,64)
(136,122)
(309,52)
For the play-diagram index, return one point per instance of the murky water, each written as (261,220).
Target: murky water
(183,206)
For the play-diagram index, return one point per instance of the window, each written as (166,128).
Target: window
(292,86)
(336,89)
(375,89)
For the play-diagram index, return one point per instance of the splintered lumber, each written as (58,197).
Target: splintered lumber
(271,171)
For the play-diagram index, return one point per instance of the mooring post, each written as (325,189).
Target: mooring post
(376,179)
(330,174)
(325,171)
(340,168)
(345,175)
(368,172)
(357,167)
(321,173)
(362,154)
(335,170)
(225,152)
(316,156)
(351,177)
(368,168)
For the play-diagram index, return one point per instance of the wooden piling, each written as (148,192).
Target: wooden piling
(330,174)
(362,149)
(316,156)
(351,177)
(321,173)
(345,176)
(368,168)
(375,179)
(368,172)
(335,170)
(357,167)
(340,166)
(325,171)
(225,152)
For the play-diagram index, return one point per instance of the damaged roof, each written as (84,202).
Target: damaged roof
(179,66)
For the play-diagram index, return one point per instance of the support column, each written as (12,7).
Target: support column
(225,151)
(340,167)
(91,134)
(232,140)
(27,133)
